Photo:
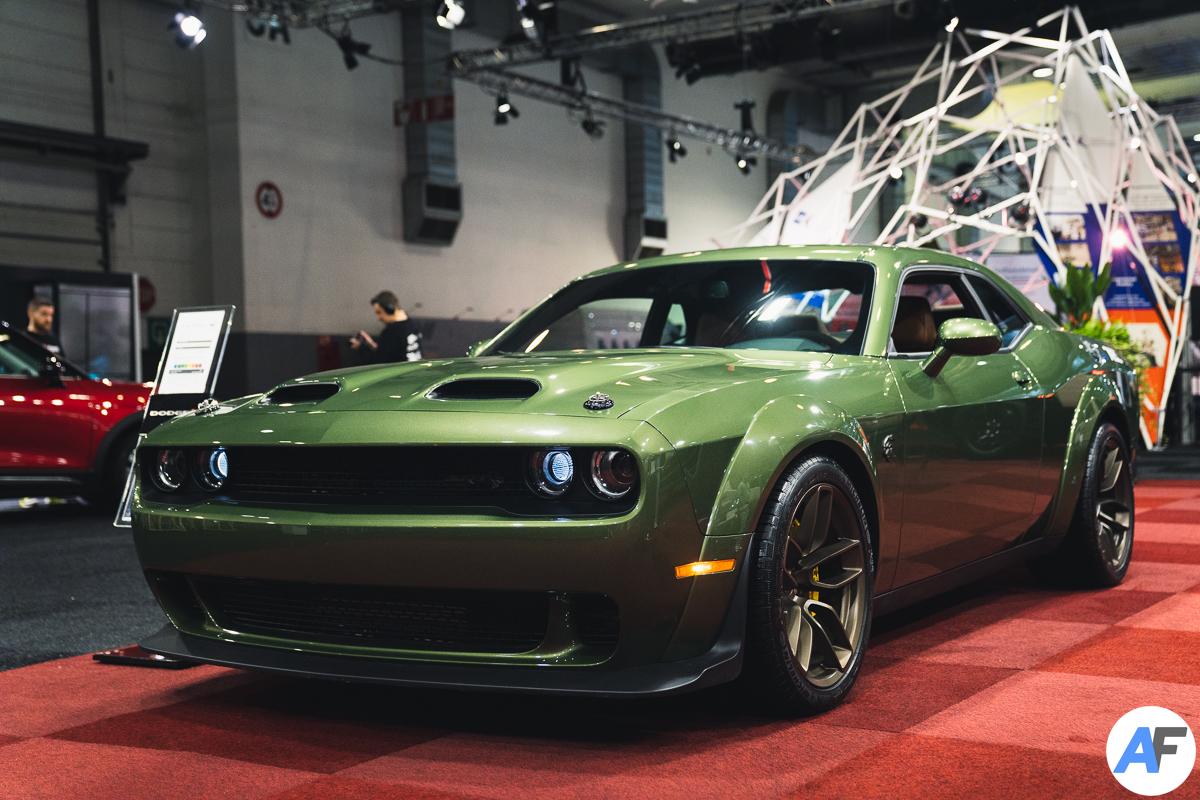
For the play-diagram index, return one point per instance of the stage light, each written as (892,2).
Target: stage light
(1191,178)
(895,173)
(1043,72)
(675,149)
(350,48)
(539,19)
(504,110)
(189,29)
(1020,159)
(920,221)
(1196,137)
(592,127)
(952,25)
(1020,213)
(1118,238)
(450,14)
(1135,142)
(746,163)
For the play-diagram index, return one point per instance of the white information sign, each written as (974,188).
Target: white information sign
(193,352)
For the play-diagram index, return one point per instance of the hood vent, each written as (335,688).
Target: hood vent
(485,389)
(301,393)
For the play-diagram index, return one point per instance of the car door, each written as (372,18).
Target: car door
(44,426)
(971,442)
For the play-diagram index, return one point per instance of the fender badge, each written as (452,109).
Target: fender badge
(598,402)
(888,446)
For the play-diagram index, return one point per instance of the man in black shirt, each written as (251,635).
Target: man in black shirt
(400,340)
(41,324)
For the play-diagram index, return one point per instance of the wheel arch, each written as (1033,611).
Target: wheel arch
(117,433)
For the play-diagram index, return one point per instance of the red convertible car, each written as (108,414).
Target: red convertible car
(62,433)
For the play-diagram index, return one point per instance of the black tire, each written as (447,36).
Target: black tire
(110,482)
(1099,542)
(796,656)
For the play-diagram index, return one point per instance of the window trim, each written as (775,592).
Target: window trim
(965,272)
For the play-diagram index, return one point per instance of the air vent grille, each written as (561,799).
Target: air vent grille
(302,393)
(485,389)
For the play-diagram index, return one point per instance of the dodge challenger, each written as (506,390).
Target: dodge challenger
(669,474)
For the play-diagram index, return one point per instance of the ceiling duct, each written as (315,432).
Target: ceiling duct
(432,194)
(645,208)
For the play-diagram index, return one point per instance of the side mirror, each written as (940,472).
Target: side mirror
(52,371)
(962,336)
(476,348)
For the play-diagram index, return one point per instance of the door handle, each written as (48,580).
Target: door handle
(1022,378)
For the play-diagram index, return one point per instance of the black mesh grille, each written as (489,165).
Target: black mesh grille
(409,619)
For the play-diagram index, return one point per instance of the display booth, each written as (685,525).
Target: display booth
(1016,149)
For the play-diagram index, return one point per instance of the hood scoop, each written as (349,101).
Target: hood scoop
(301,393)
(485,389)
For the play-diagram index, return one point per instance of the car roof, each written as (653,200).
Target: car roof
(885,258)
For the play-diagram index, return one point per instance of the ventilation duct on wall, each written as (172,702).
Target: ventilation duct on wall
(432,194)
(645,212)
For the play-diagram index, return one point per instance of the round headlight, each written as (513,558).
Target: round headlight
(552,471)
(614,473)
(212,468)
(170,470)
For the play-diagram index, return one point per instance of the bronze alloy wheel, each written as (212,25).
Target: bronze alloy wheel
(810,596)
(1114,503)
(822,585)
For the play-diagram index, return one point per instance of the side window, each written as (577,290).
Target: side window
(1001,309)
(14,361)
(675,329)
(927,299)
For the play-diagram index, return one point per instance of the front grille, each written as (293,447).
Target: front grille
(425,477)
(404,619)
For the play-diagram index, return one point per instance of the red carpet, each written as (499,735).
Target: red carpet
(1003,691)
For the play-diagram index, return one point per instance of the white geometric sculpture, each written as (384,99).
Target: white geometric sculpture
(1094,176)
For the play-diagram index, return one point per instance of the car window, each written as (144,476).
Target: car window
(1000,309)
(794,305)
(927,299)
(14,360)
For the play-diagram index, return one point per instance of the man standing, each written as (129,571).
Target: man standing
(399,341)
(41,324)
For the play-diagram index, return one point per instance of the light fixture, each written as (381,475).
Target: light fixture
(212,468)
(1118,238)
(895,173)
(745,163)
(1191,178)
(539,19)
(675,149)
(350,48)
(952,25)
(1135,142)
(551,472)
(504,110)
(450,14)
(189,29)
(1196,137)
(1043,72)
(1020,159)
(592,127)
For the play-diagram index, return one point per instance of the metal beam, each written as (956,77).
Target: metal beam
(730,139)
(705,23)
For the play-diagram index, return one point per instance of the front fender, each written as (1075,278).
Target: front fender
(779,432)
(1098,395)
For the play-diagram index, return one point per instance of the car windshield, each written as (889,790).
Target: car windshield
(793,305)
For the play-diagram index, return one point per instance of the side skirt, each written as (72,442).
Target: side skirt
(911,593)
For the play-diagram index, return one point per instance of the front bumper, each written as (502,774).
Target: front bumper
(720,664)
(673,634)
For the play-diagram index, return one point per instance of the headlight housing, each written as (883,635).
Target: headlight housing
(551,472)
(170,469)
(614,473)
(212,468)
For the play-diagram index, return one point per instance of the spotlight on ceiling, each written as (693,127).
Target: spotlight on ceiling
(896,174)
(1043,72)
(952,25)
(1135,142)
(539,19)
(189,29)
(745,163)
(592,127)
(919,221)
(450,14)
(1020,214)
(675,149)
(351,49)
(504,110)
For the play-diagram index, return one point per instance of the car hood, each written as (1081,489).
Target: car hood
(555,384)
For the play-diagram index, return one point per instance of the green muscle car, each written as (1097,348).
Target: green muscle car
(667,475)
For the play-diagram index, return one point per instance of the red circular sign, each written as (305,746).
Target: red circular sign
(269,200)
(147,294)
